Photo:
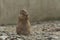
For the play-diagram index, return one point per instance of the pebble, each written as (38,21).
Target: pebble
(37,33)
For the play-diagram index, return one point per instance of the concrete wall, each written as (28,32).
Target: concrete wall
(38,9)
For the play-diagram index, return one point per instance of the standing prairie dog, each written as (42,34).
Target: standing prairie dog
(23,26)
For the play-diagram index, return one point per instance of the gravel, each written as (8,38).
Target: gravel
(40,31)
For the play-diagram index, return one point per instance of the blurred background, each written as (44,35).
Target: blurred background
(39,10)
(45,14)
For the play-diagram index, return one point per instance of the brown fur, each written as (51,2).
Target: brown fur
(23,26)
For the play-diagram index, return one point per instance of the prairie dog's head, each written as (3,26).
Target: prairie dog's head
(23,12)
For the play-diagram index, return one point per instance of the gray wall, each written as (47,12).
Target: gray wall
(38,9)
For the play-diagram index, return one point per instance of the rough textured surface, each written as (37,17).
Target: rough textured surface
(37,33)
